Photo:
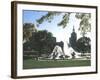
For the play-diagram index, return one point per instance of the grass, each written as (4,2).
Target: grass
(31,64)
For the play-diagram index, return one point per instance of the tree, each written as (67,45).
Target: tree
(42,41)
(83,45)
(85,25)
(28,28)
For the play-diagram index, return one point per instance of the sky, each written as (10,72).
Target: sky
(61,34)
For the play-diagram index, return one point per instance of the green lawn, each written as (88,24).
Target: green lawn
(31,64)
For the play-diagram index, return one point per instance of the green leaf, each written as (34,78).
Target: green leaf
(48,17)
(65,20)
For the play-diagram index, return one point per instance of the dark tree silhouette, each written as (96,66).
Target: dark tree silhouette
(84,45)
(41,41)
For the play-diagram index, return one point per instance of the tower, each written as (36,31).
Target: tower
(73,39)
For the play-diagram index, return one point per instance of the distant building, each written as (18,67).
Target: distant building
(73,39)
(82,45)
